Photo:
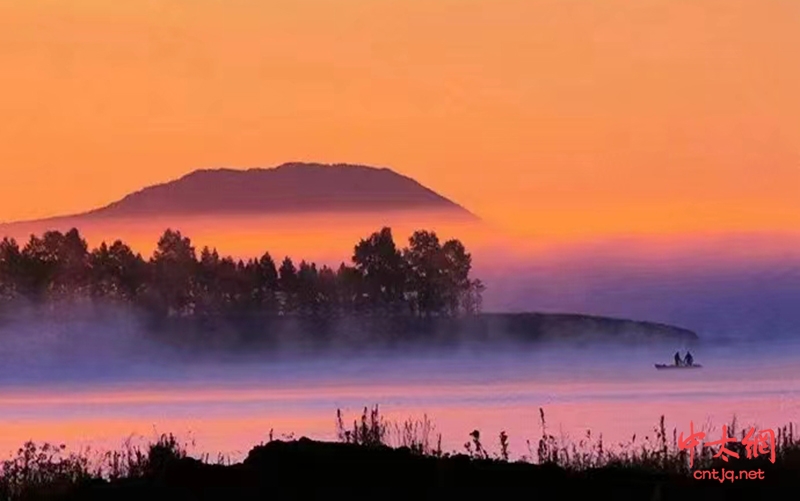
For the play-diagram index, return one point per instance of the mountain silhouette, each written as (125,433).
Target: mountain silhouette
(287,189)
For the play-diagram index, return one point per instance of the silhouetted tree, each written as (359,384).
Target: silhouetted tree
(328,292)
(40,265)
(383,270)
(351,293)
(208,298)
(11,269)
(472,302)
(287,281)
(307,293)
(457,264)
(116,272)
(174,268)
(229,281)
(427,263)
(72,274)
(266,284)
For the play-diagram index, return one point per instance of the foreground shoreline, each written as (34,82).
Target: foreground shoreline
(306,469)
(363,466)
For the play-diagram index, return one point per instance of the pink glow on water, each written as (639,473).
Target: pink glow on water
(230,416)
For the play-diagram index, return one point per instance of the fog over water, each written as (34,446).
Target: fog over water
(97,380)
(95,389)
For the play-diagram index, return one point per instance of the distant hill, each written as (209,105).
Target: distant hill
(251,334)
(577,327)
(290,188)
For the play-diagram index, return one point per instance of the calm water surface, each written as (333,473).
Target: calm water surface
(229,408)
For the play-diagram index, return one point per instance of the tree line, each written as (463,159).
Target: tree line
(426,278)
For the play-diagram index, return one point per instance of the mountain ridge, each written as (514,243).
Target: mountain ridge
(289,188)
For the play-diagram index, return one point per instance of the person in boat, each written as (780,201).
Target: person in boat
(677,358)
(689,359)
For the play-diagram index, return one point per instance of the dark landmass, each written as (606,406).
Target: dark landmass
(307,469)
(568,326)
(279,334)
(291,188)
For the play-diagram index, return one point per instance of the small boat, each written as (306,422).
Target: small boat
(673,366)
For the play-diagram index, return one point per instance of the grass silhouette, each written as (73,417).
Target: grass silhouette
(410,452)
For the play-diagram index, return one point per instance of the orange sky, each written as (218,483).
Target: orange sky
(545,117)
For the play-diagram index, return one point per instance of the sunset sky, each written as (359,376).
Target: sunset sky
(544,117)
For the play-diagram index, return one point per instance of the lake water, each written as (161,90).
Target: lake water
(228,408)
